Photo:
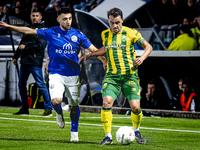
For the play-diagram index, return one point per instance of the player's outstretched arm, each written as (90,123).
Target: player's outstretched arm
(147,51)
(96,52)
(24,30)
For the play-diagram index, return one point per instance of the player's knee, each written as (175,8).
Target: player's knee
(107,102)
(135,108)
(56,101)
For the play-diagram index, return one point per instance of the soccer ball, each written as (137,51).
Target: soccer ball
(125,135)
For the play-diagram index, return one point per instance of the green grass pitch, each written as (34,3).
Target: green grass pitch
(34,132)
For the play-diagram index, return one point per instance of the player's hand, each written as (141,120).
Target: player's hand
(4,25)
(105,64)
(15,61)
(22,46)
(138,61)
(148,96)
(84,58)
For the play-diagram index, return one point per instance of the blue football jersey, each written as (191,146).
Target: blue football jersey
(63,48)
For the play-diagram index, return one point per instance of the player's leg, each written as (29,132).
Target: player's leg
(23,77)
(72,92)
(132,92)
(56,89)
(111,90)
(106,119)
(136,116)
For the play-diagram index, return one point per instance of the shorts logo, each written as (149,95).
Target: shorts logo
(132,83)
(74,38)
(106,80)
(104,85)
(134,89)
(52,86)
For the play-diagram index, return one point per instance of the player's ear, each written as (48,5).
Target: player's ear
(58,18)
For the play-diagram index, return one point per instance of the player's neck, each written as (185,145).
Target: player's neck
(65,29)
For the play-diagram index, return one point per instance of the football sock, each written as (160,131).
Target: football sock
(109,135)
(136,119)
(57,108)
(106,119)
(74,115)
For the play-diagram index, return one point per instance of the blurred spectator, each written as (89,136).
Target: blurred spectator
(175,102)
(18,4)
(185,99)
(185,41)
(196,31)
(17,11)
(57,5)
(191,9)
(186,21)
(6,11)
(51,4)
(1,12)
(35,5)
(154,98)
(163,15)
(188,99)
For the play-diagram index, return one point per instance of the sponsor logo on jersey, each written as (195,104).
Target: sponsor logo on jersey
(67,49)
(58,34)
(67,46)
(74,38)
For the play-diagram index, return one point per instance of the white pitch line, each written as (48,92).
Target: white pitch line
(98,125)
(9,114)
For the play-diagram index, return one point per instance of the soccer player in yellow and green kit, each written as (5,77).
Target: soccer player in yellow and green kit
(122,73)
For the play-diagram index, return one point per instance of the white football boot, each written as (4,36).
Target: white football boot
(74,137)
(60,120)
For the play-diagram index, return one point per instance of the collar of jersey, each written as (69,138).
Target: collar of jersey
(62,31)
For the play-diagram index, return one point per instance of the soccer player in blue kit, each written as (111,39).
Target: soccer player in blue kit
(63,45)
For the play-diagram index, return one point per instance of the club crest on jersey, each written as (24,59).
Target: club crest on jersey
(58,35)
(74,38)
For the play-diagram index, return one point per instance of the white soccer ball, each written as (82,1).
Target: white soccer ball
(125,135)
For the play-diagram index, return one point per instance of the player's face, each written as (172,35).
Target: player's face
(115,24)
(65,21)
(35,17)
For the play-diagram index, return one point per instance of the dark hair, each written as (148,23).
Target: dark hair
(186,29)
(64,10)
(37,10)
(115,12)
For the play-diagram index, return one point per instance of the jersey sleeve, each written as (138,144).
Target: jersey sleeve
(43,33)
(85,42)
(103,38)
(137,37)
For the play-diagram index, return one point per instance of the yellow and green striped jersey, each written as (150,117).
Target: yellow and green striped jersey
(120,50)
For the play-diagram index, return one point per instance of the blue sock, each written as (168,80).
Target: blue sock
(57,108)
(74,115)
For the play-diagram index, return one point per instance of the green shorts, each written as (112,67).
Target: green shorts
(113,85)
